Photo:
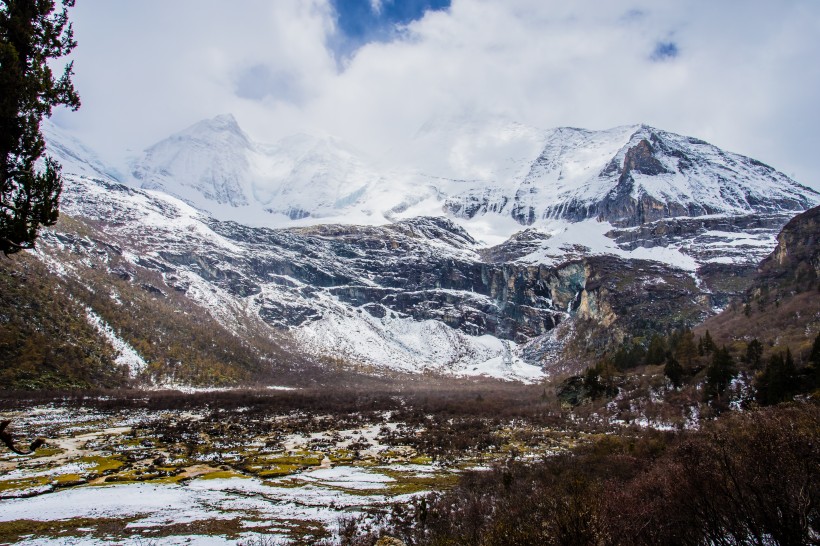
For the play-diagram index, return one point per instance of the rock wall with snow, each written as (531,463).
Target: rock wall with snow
(631,231)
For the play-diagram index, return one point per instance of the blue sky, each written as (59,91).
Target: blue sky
(743,75)
(363,21)
(665,51)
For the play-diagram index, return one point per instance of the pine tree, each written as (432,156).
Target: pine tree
(685,349)
(628,355)
(814,356)
(813,368)
(754,353)
(592,382)
(709,346)
(719,373)
(656,352)
(599,380)
(673,370)
(31,37)
(778,382)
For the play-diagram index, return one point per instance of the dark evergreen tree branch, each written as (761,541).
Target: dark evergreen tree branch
(31,35)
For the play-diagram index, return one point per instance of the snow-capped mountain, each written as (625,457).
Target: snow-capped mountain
(633,175)
(627,176)
(381,297)
(614,234)
(214,164)
(208,160)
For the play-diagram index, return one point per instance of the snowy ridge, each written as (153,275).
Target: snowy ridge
(627,175)
(209,158)
(215,166)
(701,174)
(634,174)
(562,170)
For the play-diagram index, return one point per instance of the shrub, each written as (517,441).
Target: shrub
(745,479)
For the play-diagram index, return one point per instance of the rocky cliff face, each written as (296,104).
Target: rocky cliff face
(781,306)
(412,295)
(727,249)
(633,231)
(794,265)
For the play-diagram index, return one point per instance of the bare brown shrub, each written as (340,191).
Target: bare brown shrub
(750,478)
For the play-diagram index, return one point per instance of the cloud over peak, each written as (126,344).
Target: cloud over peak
(373,71)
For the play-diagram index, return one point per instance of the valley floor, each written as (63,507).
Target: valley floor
(244,474)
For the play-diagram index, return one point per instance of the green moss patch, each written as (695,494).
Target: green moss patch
(20,484)
(222,474)
(279,470)
(302,458)
(47,452)
(102,464)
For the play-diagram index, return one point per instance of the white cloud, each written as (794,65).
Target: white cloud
(146,69)
(745,76)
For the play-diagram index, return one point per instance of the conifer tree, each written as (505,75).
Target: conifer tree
(673,370)
(814,356)
(32,35)
(599,380)
(813,368)
(719,373)
(708,343)
(656,352)
(778,382)
(754,352)
(685,349)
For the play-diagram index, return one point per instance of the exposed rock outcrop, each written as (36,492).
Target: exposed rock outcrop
(795,263)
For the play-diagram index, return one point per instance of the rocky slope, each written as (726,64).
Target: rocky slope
(46,339)
(633,231)
(794,266)
(781,308)
(411,296)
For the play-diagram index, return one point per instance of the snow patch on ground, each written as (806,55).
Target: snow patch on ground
(207,499)
(404,344)
(126,355)
(349,477)
(54,266)
(71,468)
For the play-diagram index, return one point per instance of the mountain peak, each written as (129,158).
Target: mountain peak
(227,121)
(207,160)
(220,127)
